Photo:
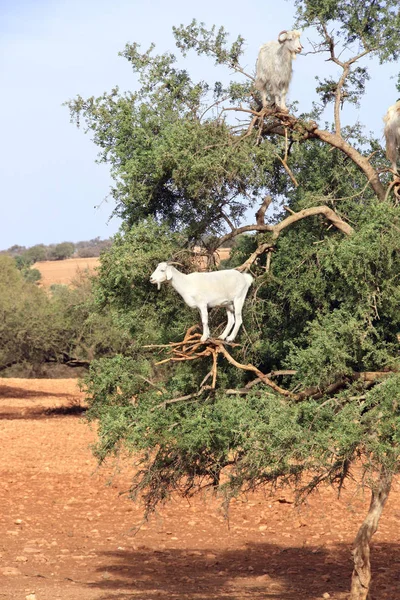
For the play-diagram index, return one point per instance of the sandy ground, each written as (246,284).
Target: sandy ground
(67,532)
(64,271)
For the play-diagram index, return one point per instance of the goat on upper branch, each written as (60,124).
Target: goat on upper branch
(392,134)
(226,288)
(274,67)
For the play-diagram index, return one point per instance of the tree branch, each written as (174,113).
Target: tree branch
(253,257)
(260,214)
(309,212)
(361,161)
(276,229)
(309,131)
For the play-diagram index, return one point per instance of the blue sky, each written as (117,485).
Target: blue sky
(50,51)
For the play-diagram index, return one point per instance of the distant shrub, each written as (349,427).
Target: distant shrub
(89,252)
(31,275)
(62,251)
(36,253)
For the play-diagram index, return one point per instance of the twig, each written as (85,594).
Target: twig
(288,170)
(254,369)
(158,387)
(187,397)
(284,160)
(393,184)
(253,257)
(289,210)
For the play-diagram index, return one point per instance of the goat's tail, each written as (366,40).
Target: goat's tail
(249,278)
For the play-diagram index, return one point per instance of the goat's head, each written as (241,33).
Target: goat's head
(291,39)
(161,274)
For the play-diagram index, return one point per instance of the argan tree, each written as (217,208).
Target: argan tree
(311,394)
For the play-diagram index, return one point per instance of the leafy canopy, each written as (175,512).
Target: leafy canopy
(324,308)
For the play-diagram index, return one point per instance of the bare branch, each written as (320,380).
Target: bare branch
(254,369)
(227,219)
(361,161)
(288,170)
(260,214)
(216,103)
(276,229)
(308,212)
(253,257)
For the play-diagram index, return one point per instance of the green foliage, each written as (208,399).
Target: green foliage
(62,251)
(371,24)
(64,326)
(32,275)
(210,42)
(91,332)
(173,163)
(40,252)
(149,316)
(36,253)
(27,331)
(327,308)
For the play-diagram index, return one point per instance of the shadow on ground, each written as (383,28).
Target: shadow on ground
(257,571)
(8,391)
(73,404)
(41,412)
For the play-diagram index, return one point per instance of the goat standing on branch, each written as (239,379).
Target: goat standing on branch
(274,67)
(206,290)
(392,134)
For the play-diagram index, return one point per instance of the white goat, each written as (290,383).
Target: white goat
(392,134)
(274,67)
(205,290)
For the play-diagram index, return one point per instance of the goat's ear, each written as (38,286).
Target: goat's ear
(168,273)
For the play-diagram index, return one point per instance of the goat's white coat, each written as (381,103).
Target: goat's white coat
(274,67)
(226,288)
(392,133)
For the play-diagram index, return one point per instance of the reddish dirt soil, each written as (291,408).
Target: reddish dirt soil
(65,534)
(64,271)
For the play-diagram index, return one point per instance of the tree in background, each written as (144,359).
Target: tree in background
(28,331)
(62,251)
(38,328)
(40,252)
(312,394)
(24,265)
(36,253)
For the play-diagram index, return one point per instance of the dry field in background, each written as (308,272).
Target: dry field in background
(67,535)
(64,271)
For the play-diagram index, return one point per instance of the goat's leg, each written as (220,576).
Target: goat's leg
(231,321)
(264,97)
(391,152)
(281,100)
(204,319)
(238,305)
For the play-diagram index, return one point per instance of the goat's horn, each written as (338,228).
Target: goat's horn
(170,262)
(284,31)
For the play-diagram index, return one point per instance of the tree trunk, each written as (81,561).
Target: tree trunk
(361,577)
